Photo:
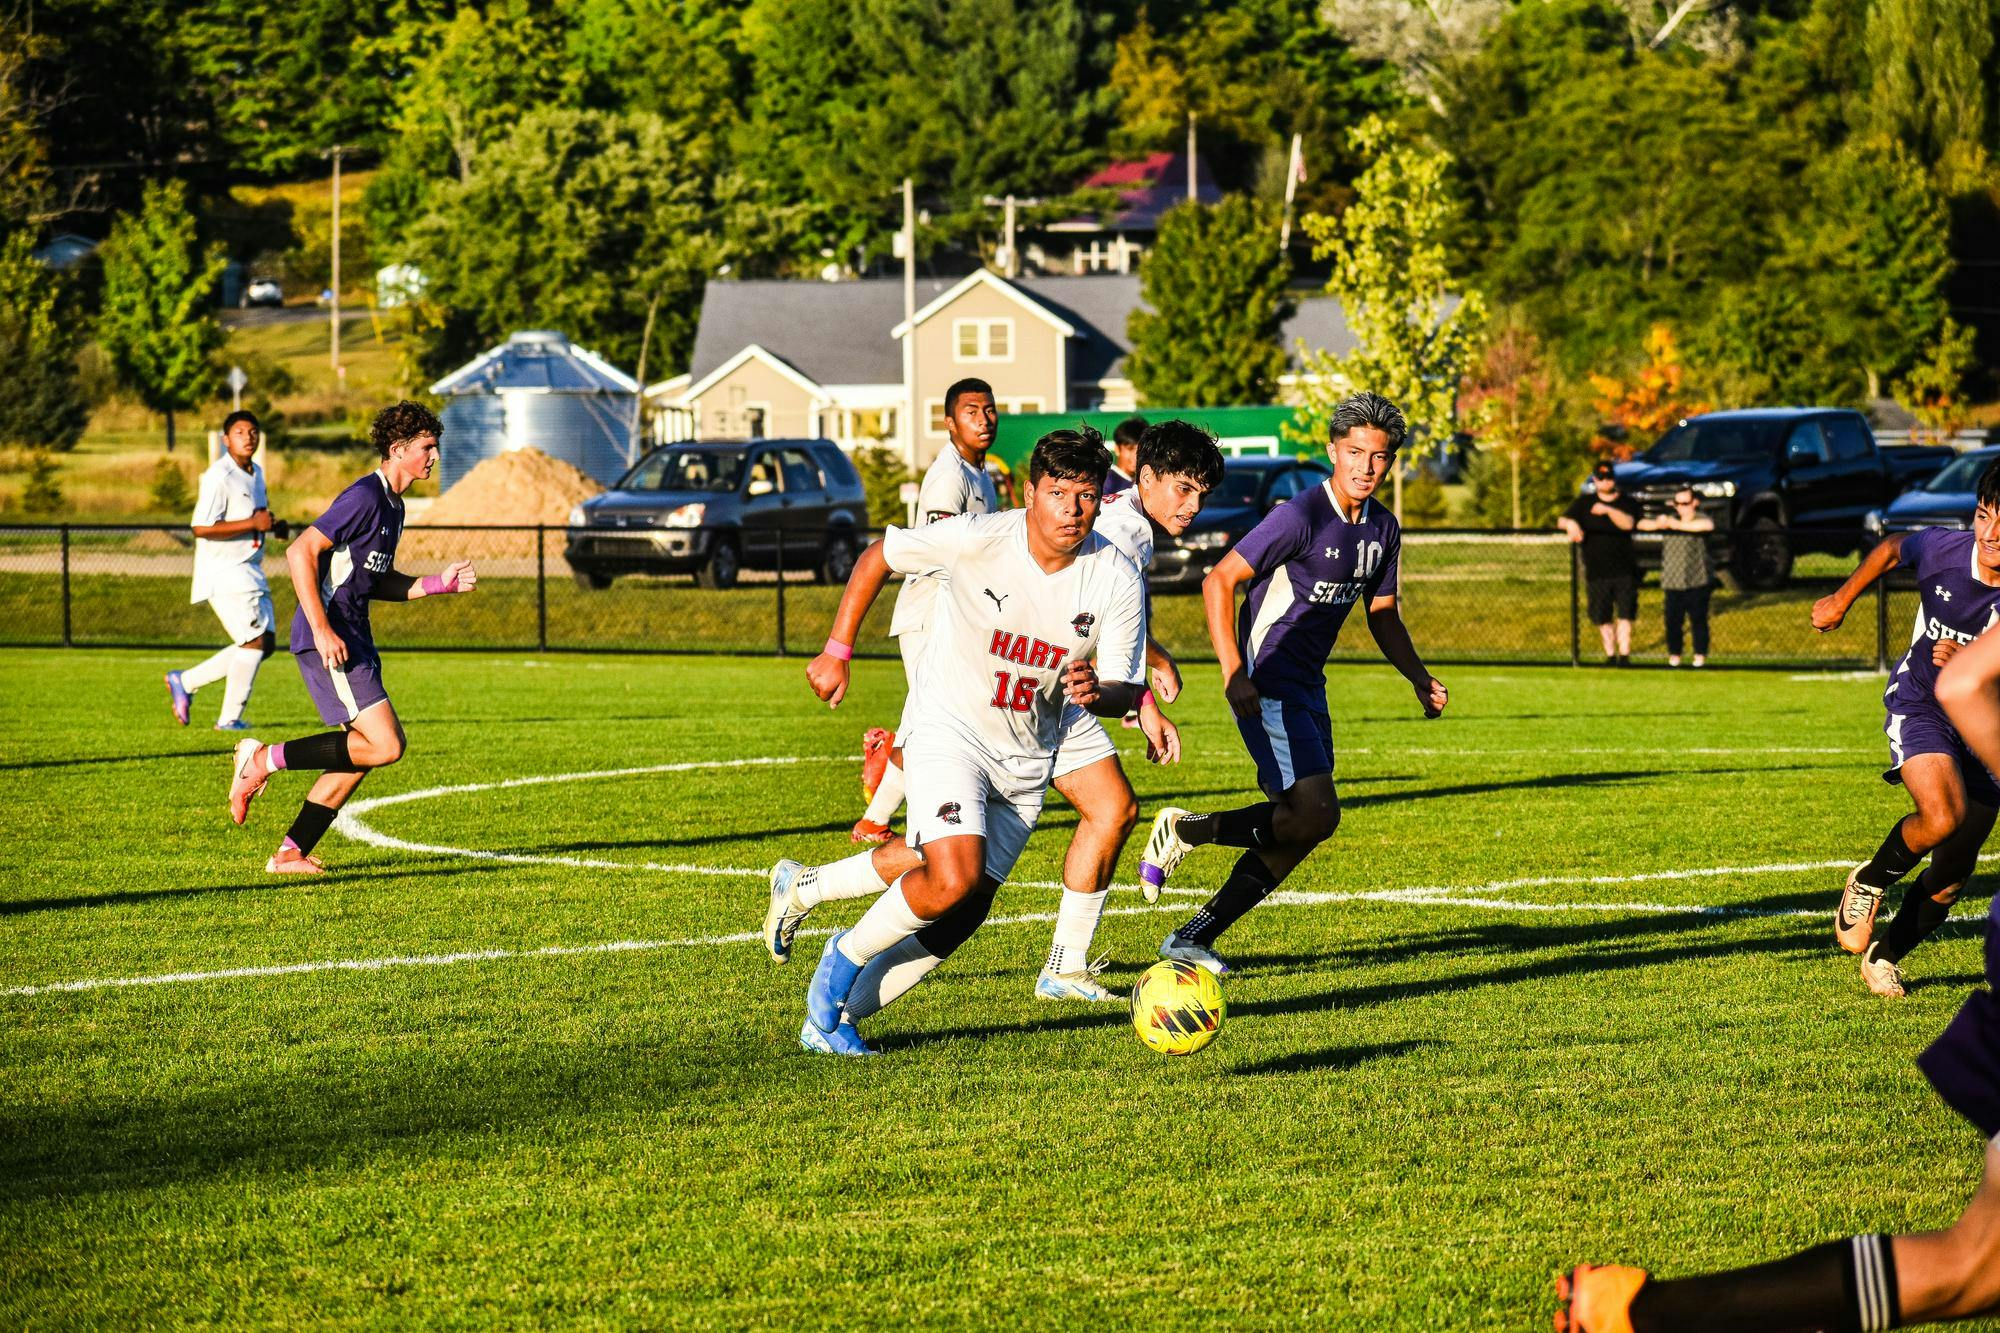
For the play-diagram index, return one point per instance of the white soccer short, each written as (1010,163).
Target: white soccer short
(1084,741)
(954,790)
(911,642)
(245,612)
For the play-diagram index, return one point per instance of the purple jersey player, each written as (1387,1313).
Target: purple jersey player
(1958,588)
(1307,565)
(340,564)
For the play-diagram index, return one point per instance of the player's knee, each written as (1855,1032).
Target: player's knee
(387,750)
(1124,815)
(268,644)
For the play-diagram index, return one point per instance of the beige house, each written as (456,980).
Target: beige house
(788,359)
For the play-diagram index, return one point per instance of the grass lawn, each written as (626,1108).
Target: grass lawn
(1418,1110)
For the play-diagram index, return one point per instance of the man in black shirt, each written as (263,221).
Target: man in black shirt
(1601,521)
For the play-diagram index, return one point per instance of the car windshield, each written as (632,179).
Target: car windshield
(687,470)
(1712,442)
(1238,487)
(1961,475)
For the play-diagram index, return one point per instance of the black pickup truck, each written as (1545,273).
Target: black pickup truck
(1778,481)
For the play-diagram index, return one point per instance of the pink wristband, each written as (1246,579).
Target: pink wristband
(434,584)
(835,648)
(1145,697)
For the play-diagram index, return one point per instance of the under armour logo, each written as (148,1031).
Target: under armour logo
(1939,590)
(1330,552)
(998,598)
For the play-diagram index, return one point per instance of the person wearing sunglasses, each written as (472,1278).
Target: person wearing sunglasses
(1686,574)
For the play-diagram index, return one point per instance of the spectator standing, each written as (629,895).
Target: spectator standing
(1125,455)
(1686,576)
(1601,522)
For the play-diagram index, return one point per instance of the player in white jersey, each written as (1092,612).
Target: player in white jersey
(1178,465)
(955,483)
(1034,611)
(231,517)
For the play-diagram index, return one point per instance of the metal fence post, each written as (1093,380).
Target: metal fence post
(1575,607)
(1882,624)
(68,641)
(781,592)
(541,587)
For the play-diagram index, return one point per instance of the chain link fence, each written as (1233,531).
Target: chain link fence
(1467,596)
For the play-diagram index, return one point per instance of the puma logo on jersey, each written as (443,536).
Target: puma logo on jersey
(997,597)
(1026,650)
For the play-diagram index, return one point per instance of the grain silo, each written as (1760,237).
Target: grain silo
(538,390)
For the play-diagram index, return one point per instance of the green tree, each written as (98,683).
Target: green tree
(1215,305)
(1511,400)
(1933,86)
(1414,328)
(1933,391)
(580,221)
(157,323)
(42,402)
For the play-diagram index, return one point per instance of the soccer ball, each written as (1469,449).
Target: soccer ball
(1177,1007)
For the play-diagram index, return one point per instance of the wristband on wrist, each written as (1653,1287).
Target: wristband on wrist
(1145,697)
(835,648)
(434,584)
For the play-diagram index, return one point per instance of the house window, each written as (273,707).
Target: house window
(1022,405)
(982,339)
(753,421)
(934,417)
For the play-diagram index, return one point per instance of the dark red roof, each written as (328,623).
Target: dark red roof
(1149,186)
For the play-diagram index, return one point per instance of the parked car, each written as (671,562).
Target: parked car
(1778,481)
(1250,488)
(714,508)
(1945,501)
(263,291)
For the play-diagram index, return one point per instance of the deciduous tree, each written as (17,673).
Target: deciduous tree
(157,323)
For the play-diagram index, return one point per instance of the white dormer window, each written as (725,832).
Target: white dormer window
(982,339)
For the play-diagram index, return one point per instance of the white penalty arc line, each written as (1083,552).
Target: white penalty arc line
(351,825)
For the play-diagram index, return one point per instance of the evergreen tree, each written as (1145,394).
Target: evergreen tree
(157,323)
(42,403)
(1215,284)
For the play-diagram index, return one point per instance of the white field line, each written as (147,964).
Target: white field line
(351,825)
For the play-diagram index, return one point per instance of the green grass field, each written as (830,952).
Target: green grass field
(471,1111)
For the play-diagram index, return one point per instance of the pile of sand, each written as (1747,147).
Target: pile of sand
(517,489)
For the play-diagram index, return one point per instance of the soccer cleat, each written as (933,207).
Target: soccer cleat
(238,725)
(870,834)
(832,980)
(843,1040)
(1883,977)
(1082,985)
(1164,851)
(243,788)
(1187,951)
(781,919)
(1129,721)
(178,697)
(1597,1298)
(1854,920)
(875,745)
(292,861)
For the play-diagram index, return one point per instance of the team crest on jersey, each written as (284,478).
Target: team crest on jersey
(948,812)
(1082,624)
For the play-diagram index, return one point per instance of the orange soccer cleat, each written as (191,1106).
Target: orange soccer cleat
(289,860)
(875,746)
(870,834)
(247,776)
(1854,919)
(1597,1298)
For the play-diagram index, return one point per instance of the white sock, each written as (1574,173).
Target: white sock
(889,976)
(883,804)
(207,673)
(887,921)
(1076,922)
(853,877)
(242,675)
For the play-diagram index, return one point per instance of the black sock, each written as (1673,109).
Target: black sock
(1248,827)
(1893,860)
(326,751)
(1249,883)
(1848,1286)
(310,826)
(1919,916)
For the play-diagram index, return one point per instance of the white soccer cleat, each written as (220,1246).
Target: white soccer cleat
(782,917)
(1187,951)
(1164,851)
(1883,977)
(1854,919)
(1082,985)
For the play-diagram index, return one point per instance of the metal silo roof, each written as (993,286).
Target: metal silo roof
(537,361)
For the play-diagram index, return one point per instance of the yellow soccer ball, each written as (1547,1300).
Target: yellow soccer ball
(1177,1007)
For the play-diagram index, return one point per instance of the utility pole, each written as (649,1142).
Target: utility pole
(910,316)
(1190,157)
(333,323)
(1010,254)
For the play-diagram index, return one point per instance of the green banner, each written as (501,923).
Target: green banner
(1242,430)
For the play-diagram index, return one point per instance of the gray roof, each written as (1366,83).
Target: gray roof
(537,359)
(838,332)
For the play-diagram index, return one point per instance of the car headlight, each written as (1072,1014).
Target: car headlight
(686,516)
(1715,490)
(579,517)
(1205,541)
(1872,521)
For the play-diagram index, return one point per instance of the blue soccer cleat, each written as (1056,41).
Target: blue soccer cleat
(843,1040)
(782,917)
(832,980)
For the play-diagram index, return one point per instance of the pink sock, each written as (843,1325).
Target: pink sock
(288,845)
(274,756)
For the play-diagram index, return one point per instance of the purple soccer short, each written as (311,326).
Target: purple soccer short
(1964,1063)
(1288,741)
(1915,729)
(343,695)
